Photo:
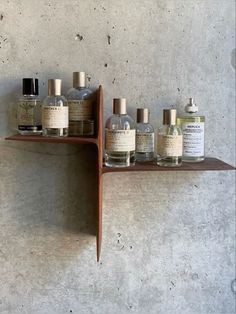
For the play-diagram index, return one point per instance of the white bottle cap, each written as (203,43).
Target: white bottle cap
(191,107)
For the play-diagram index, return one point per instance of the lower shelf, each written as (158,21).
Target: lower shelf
(209,164)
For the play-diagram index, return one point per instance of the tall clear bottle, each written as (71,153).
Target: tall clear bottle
(169,141)
(55,114)
(144,136)
(120,137)
(29,108)
(193,128)
(81,115)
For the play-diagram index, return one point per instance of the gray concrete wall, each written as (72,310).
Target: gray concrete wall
(168,244)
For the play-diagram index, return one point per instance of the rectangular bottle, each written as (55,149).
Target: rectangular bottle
(55,114)
(193,128)
(29,120)
(144,136)
(81,111)
(169,141)
(120,137)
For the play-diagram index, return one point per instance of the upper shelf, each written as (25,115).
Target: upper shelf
(44,139)
(209,164)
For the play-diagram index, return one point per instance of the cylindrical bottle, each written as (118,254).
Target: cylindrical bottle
(144,136)
(120,137)
(81,111)
(169,141)
(55,118)
(193,128)
(29,109)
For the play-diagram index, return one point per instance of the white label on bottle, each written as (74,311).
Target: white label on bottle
(55,117)
(80,110)
(120,140)
(144,142)
(26,113)
(170,145)
(193,139)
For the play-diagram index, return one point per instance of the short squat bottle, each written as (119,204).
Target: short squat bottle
(29,109)
(81,115)
(169,141)
(193,127)
(144,136)
(55,118)
(120,137)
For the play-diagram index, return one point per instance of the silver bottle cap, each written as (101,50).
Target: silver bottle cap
(169,116)
(79,79)
(142,115)
(54,87)
(191,107)
(119,106)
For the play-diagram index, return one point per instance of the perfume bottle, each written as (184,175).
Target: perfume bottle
(29,109)
(120,137)
(144,136)
(81,116)
(169,141)
(192,127)
(55,118)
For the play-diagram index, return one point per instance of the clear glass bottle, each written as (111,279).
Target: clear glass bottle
(144,136)
(55,114)
(193,128)
(29,108)
(169,141)
(81,115)
(120,137)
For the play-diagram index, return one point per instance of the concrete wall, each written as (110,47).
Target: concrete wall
(168,243)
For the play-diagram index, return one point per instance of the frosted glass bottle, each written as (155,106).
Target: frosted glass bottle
(55,114)
(120,137)
(144,136)
(29,120)
(169,141)
(193,128)
(81,115)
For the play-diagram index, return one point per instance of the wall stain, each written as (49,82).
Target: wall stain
(108,39)
(79,37)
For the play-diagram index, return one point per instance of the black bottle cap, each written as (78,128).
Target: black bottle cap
(30,86)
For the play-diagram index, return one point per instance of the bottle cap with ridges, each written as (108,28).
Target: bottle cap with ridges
(191,107)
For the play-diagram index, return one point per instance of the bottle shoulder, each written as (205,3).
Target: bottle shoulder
(170,130)
(144,128)
(78,93)
(29,98)
(120,122)
(55,101)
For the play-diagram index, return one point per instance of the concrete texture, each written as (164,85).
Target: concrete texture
(168,243)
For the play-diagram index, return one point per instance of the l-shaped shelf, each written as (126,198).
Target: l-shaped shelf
(209,164)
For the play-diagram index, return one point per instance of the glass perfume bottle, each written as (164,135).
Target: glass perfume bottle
(120,137)
(193,127)
(81,116)
(55,117)
(29,109)
(144,136)
(169,141)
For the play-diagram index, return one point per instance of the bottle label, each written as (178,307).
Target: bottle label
(170,145)
(26,114)
(144,142)
(55,117)
(80,110)
(120,140)
(193,139)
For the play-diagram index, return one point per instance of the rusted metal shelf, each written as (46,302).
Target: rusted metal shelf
(209,164)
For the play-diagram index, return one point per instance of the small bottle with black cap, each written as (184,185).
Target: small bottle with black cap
(29,120)
(144,136)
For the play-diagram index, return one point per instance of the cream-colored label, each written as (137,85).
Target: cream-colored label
(80,110)
(55,117)
(170,145)
(26,113)
(120,140)
(144,142)
(193,139)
